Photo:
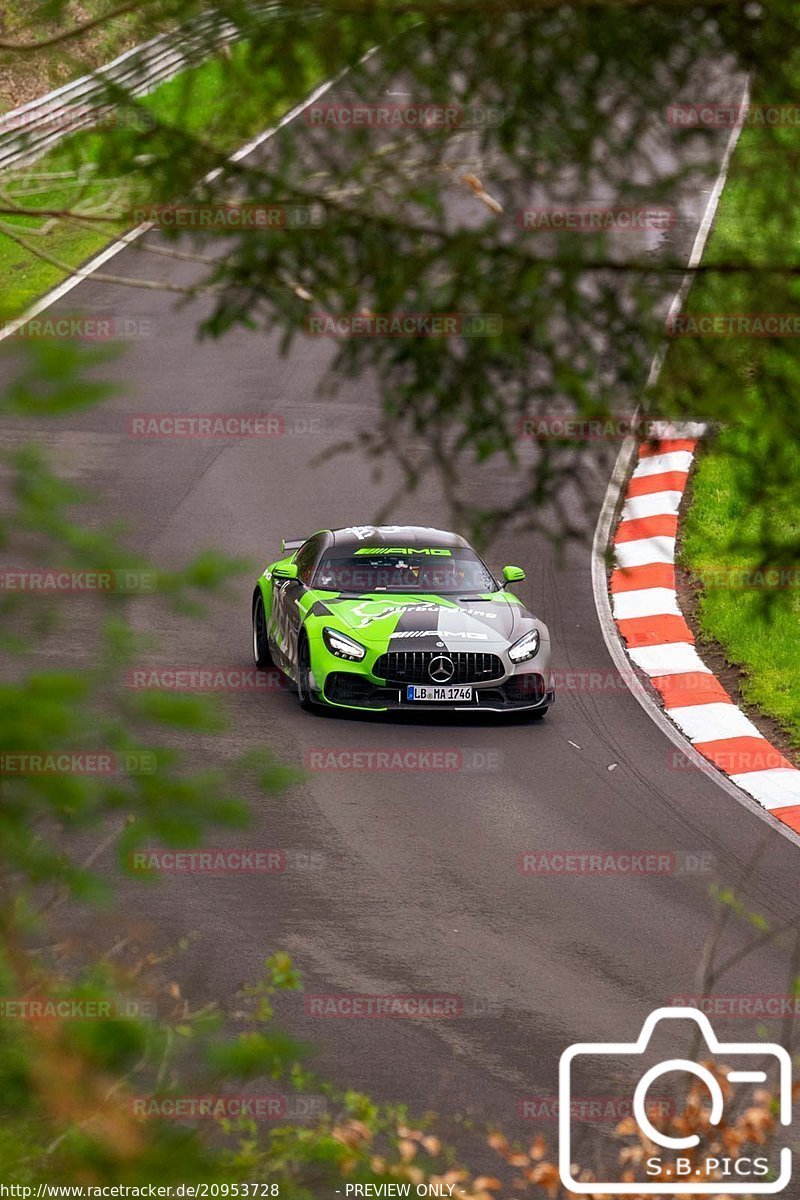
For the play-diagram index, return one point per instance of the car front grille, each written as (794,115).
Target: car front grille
(412,666)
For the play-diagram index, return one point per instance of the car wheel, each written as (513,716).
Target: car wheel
(303,672)
(539,715)
(261,654)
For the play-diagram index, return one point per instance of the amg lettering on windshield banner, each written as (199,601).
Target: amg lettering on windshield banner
(404,550)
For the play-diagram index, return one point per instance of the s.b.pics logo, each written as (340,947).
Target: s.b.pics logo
(717,1139)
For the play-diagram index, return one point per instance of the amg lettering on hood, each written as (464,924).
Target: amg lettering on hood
(468,634)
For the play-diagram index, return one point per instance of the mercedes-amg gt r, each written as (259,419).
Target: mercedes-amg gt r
(399,617)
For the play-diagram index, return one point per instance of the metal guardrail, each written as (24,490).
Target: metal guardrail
(27,132)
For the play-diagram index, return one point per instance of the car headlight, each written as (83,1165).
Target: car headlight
(527,647)
(343,646)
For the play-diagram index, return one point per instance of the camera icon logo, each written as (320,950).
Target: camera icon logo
(751,1175)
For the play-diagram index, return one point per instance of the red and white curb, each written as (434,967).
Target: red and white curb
(647,615)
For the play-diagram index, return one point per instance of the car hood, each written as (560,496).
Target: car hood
(427,622)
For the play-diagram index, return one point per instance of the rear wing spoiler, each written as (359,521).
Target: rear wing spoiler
(289,545)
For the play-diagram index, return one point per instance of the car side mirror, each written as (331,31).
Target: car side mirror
(514,575)
(285,571)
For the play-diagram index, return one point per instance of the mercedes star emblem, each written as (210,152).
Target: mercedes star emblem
(441,669)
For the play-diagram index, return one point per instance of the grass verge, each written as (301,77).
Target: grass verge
(741,520)
(88,172)
(760,636)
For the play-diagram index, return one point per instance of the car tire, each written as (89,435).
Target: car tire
(539,715)
(303,671)
(261,653)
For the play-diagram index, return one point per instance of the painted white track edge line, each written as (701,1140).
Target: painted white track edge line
(701,237)
(602,540)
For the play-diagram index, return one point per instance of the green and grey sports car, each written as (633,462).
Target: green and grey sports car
(396,617)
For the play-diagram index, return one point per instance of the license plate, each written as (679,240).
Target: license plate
(447,694)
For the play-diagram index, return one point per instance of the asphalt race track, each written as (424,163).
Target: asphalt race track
(419,889)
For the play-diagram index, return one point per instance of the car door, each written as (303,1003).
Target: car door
(285,610)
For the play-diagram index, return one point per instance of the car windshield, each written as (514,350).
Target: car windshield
(445,572)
